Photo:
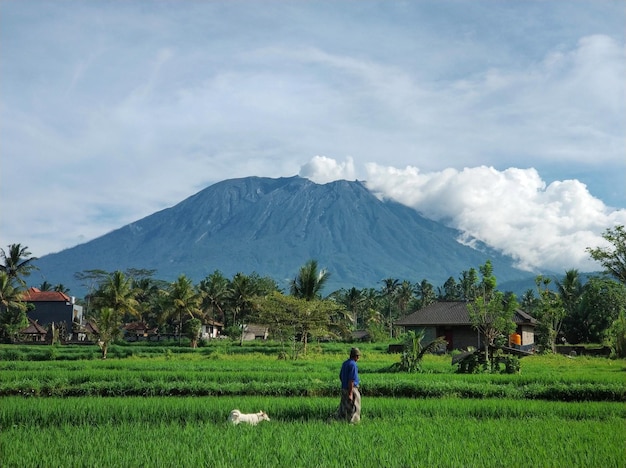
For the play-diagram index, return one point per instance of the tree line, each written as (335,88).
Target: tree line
(567,308)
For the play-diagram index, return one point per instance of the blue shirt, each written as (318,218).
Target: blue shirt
(349,371)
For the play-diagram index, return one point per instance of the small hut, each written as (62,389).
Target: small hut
(33,332)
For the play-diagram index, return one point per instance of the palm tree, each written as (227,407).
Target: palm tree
(309,282)
(12,308)
(425,292)
(183,301)
(109,323)
(404,294)
(214,291)
(118,293)
(390,286)
(147,294)
(62,288)
(354,301)
(17,263)
(468,284)
(243,291)
(571,290)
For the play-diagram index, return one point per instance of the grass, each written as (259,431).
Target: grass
(170,409)
(393,433)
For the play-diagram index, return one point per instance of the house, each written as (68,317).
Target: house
(33,332)
(211,329)
(53,307)
(255,332)
(139,331)
(452,321)
(361,335)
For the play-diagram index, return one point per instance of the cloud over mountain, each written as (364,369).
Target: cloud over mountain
(541,225)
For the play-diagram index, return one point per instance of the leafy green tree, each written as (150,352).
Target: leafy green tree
(109,323)
(492,318)
(12,308)
(612,258)
(488,282)
(491,313)
(290,317)
(17,263)
(193,328)
(450,291)
(263,284)
(616,334)
(599,306)
(309,282)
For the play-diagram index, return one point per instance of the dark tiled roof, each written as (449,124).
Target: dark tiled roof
(138,326)
(452,313)
(33,328)
(257,330)
(523,317)
(36,295)
(91,327)
(439,313)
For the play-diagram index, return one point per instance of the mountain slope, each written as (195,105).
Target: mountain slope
(272,227)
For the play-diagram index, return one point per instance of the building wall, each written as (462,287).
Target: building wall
(528,335)
(47,312)
(462,336)
(465,337)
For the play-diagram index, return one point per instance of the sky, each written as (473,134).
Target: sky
(503,119)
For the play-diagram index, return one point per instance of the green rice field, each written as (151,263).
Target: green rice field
(163,409)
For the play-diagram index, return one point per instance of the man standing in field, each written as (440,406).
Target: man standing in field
(350,405)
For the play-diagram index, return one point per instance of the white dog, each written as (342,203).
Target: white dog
(237,417)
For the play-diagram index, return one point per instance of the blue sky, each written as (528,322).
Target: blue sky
(505,119)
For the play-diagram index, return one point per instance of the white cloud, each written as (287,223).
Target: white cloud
(111,114)
(322,170)
(543,227)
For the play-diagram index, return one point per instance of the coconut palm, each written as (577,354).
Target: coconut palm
(118,293)
(309,282)
(571,290)
(353,299)
(214,292)
(413,351)
(12,309)
(425,293)
(390,286)
(404,294)
(109,324)
(183,301)
(17,263)
(243,292)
